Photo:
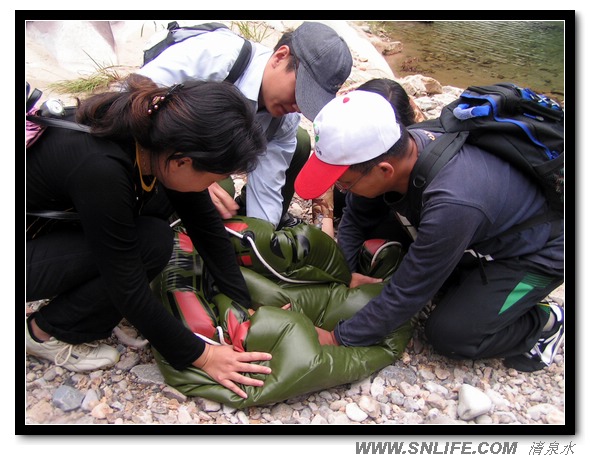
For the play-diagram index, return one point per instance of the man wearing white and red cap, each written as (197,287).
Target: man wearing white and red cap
(301,74)
(490,285)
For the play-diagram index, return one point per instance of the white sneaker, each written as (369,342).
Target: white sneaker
(73,357)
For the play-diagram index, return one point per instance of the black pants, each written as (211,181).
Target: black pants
(502,318)
(61,267)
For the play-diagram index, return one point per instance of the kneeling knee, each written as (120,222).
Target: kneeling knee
(448,339)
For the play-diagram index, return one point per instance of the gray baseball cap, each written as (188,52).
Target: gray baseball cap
(325,62)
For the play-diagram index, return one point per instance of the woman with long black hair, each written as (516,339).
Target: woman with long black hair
(151,152)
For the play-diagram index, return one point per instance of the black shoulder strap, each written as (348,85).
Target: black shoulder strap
(431,160)
(238,69)
(55,215)
(549,216)
(31,98)
(207,26)
(274,125)
(241,62)
(434,156)
(48,121)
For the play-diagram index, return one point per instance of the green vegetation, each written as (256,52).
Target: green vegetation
(253,31)
(102,78)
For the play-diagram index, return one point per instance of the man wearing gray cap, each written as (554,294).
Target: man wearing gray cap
(300,75)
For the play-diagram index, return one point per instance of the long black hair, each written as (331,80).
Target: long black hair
(210,122)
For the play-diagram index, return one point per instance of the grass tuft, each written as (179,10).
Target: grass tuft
(253,31)
(102,78)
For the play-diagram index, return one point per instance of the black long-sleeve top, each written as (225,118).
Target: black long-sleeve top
(98,178)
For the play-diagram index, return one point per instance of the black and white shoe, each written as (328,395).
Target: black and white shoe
(543,352)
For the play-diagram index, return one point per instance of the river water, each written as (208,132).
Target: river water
(463,53)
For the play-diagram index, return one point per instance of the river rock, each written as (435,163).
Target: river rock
(472,402)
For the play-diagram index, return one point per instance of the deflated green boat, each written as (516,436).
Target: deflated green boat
(300,265)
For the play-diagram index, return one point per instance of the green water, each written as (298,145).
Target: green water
(463,53)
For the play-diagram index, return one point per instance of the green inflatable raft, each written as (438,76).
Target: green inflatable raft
(301,266)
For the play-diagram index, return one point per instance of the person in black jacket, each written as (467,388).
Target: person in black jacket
(152,152)
(491,281)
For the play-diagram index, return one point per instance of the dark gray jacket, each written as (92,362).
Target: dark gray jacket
(472,201)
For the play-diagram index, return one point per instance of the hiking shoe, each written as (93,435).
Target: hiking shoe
(543,352)
(73,357)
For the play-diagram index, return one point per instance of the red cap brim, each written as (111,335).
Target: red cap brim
(317,177)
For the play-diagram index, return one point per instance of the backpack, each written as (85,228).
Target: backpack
(519,125)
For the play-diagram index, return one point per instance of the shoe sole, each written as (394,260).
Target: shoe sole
(76,368)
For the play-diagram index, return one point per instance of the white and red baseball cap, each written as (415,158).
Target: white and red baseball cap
(350,129)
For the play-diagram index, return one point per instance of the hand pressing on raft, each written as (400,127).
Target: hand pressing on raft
(358,279)
(225,366)
(326,337)
(284,307)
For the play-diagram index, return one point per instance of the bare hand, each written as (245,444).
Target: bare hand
(224,365)
(284,307)
(224,203)
(358,279)
(326,338)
